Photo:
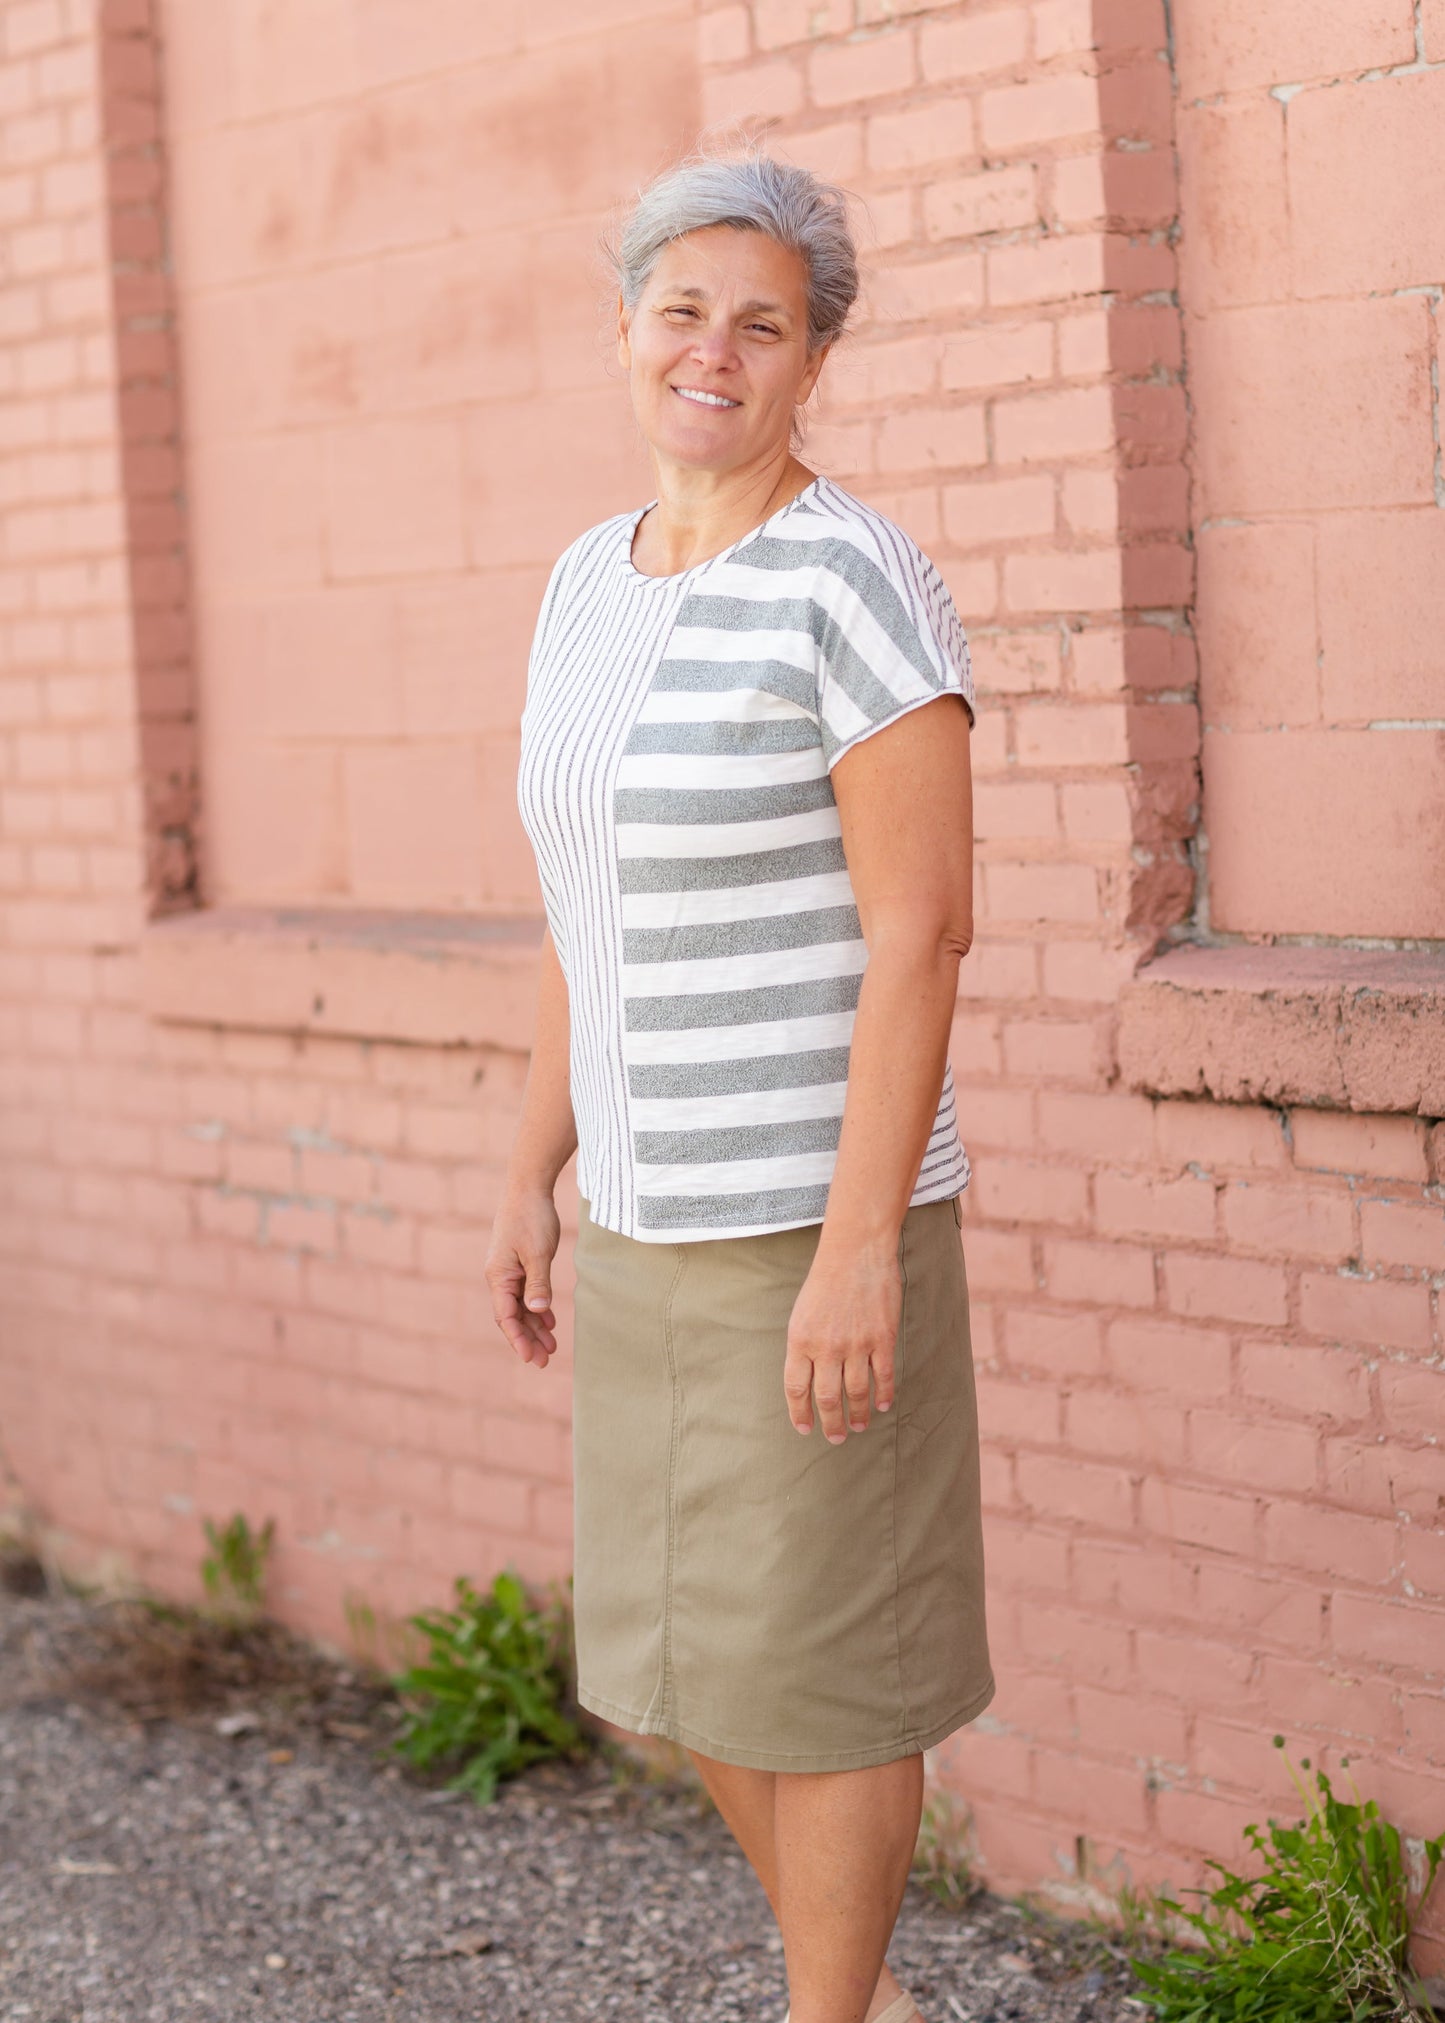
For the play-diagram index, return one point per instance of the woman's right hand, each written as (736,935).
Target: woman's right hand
(525,1236)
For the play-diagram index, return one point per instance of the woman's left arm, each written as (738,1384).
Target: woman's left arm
(905,802)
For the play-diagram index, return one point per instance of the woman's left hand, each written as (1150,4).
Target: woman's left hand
(842,1334)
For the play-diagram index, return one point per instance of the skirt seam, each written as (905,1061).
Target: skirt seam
(897,1408)
(665,1682)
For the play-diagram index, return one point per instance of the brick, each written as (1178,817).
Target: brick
(1339,1544)
(1232,183)
(1366,1474)
(1220,1137)
(1377,1632)
(1133,1205)
(1026,1190)
(1044,427)
(1403,1232)
(725,36)
(993,200)
(1088,579)
(1310,1381)
(1194,1670)
(1019,808)
(777,23)
(1082,1491)
(1016,663)
(1013,1411)
(1124,1724)
(1412,1395)
(1381,580)
(927,289)
(926,136)
(1257,609)
(759,91)
(1423,1554)
(997,355)
(1114,1127)
(999,509)
(931,439)
(1235,47)
(1071,735)
(1224,1289)
(1297,1222)
(1100,1424)
(974,45)
(1058,1344)
(1048,108)
(1321,401)
(1288,1614)
(1097,811)
(1041,892)
(839,73)
(1272,1454)
(1381,1313)
(1102,1274)
(1049,270)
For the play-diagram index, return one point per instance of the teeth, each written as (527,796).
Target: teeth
(706,399)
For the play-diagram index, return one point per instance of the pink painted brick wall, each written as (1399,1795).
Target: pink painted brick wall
(240,1269)
(1311,278)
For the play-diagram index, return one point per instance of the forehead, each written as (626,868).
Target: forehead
(725,259)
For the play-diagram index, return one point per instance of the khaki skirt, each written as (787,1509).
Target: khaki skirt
(768,1599)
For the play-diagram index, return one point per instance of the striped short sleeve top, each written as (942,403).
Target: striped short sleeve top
(677,744)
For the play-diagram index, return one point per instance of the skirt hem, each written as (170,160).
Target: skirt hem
(745,1758)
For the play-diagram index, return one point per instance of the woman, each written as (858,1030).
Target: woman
(745,773)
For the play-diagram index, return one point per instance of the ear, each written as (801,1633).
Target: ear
(624,334)
(811,371)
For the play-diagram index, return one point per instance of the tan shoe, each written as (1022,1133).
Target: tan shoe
(904,2010)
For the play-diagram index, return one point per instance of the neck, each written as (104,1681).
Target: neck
(699,513)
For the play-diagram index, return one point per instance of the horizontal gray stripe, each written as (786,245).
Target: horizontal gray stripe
(722,938)
(862,575)
(749,867)
(813,999)
(774,677)
(672,1079)
(737,1141)
(723,740)
(721,804)
(732,1211)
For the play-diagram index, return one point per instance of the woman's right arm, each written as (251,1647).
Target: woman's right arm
(526,1231)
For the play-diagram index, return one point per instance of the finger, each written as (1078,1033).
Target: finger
(798,1390)
(532,1340)
(538,1293)
(883,1378)
(855,1390)
(828,1390)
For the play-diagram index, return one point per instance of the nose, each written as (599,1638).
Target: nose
(713,346)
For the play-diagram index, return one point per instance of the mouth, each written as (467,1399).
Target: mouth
(700,398)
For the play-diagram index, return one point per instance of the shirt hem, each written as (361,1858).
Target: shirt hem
(947,1190)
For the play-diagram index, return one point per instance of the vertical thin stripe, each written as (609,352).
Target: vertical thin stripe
(724,964)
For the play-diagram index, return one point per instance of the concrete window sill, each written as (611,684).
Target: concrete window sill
(1337,1029)
(434,979)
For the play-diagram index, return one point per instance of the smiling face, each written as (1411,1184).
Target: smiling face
(716,349)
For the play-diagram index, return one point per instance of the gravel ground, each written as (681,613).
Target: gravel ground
(178,1842)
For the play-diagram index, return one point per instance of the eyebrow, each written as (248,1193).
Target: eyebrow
(748,308)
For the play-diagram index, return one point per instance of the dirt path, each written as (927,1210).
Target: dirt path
(155,1870)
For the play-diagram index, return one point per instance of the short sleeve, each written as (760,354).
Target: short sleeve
(888,636)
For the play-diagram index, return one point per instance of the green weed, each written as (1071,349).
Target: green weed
(1321,1936)
(234,1570)
(490,1693)
(943,1859)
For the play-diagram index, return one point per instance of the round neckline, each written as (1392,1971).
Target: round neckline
(634,521)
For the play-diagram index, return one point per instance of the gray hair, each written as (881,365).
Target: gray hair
(752,192)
